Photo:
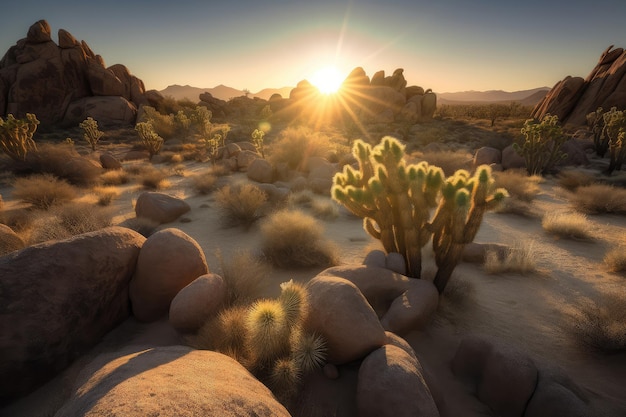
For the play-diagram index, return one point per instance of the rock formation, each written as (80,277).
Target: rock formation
(64,84)
(383,99)
(573,98)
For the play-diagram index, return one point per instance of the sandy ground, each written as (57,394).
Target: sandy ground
(532,312)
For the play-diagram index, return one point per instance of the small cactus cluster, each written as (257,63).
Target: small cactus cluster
(16,136)
(542,145)
(395,201)
(150,139)
(91,133)
(269,339)
(615,131)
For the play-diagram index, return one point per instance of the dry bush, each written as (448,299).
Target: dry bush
(106,195)
(295,144)
(64,221)
(43,191)
(449,161)
(204,183)
(520,258)
(302,198)
(246,277)
(615,259)
(241,204)
(601,326)
(325,209)
(599,198)
(154,178)
(518,184)
(64,162)
(292,239)
(115,177)
(571,179)
(567,225)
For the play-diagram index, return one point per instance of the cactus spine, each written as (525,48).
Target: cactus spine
(395,200)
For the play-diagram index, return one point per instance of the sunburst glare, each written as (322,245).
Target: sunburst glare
(327,80)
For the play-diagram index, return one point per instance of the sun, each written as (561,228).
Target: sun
(328,80)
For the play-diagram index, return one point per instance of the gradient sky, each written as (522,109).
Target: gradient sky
(445,45)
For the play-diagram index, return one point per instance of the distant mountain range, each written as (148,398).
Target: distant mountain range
(524,97)
(223,92)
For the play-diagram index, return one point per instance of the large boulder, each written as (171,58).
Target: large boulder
(413,309)
(58,299)
(159,207)
(339,312)
(66,83)
(198,301)
(261,170)
(573,98)
(169,260)
(391,383)
(169,381)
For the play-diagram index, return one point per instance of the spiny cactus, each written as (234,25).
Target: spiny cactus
(615,131)
(284,378)
(542,145)
(293,299)
(151,140)
(395,200)
(268,333)
(16,136)
(600,140)
(309,350)
(91,133)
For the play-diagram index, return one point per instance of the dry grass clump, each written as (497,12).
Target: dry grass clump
(295,144)
(115,177)
(518,184)
(302,198)
(241,204)
(449,161)
(106,195)
(325,209)
(520,258)
(154,178)
(567,225)
(293,239)
(246,277)
(67,220)
(615,259)
(62,161)
(571,179)
(599,198)
(43,191)
(204,182)
(601,326)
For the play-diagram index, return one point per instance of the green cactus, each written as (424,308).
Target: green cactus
(542,145)
(615,131)
(600,139)
(395,201)
(293,299)
(257,140)
(150,139)
(91,133)
(16,136)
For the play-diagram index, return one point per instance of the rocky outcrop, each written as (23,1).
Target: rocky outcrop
(573,98)
(64,84)
(59,299)
(383,99)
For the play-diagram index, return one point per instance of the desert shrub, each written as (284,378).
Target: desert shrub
(43,191)
(245,275)
(204,183)
(162,124)
(63,162)
(241,204)
(518,184)
(567,225)
(448,161)
(303,198)
(91,134)
(520,258)
(542,144)
(600,139)
(295,144)
(601,326)
(599,198)
(154,178)
(106,195)
(325,209)
(293,239)
(16,136)
(571,179)
(115,177)
(71,219)
(615,259)
(150,139)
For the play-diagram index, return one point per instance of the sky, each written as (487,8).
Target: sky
(444,45)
